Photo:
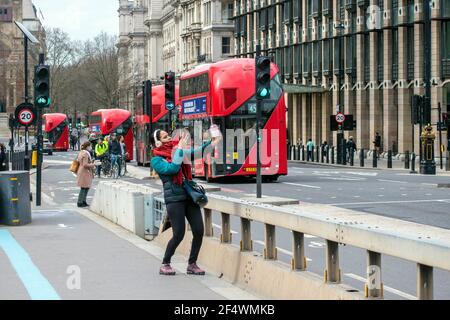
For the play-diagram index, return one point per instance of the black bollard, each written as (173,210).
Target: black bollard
(289,154)
(389,161)
(332,155)
(361,158)
(303,153)
(317,154)
(298,152)
(407,159)
(352,157)
(413,163)
(344,153)
(327,154)
(375,158)
(322,154)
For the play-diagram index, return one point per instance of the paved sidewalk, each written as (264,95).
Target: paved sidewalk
(112,263)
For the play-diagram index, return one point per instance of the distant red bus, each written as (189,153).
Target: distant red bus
(223,93)
(160,120)
(56,130)
(107,121)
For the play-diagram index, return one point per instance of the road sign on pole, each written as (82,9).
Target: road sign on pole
(25,114)
(340,117)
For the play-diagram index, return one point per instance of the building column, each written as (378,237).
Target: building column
(298,118)
(375,107)
(316,111)
(362,109)
(326,112)
(306,127)
(389,101)
(291,115)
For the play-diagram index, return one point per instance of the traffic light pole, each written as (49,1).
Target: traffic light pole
(440,135)
(40,141)
(258,139)
(27,156)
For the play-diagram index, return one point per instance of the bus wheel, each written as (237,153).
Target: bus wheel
(269,179)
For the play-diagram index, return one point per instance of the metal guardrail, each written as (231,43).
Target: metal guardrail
(428,246)
(17,160)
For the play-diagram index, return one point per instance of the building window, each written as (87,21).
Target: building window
(380,56)
(394,12)
(394,54)
(445,10)
(6,14)
(446,50)
(297,11)
(410,10)
(326,57)
(410,52)
(297,61)
(287,62)
(287,12)
(366,57)
(350,55)
(272,17)
(226,45)
(244,26)
(263,19)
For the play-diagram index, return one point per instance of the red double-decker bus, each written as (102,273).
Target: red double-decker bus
(56,130)
(160,120)
(107,121)
(223,94)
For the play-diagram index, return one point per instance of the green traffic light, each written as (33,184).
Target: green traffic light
(264,92)
(43,101)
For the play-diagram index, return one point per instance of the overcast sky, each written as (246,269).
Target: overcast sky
(81,19)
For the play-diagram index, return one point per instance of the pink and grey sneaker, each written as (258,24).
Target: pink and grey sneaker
(194,269)
(166,270)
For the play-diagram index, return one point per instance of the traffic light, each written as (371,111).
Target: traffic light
(262,73)
(169,80)
(42,86)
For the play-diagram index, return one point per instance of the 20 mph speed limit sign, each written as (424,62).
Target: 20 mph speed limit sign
(25,114)
(340,117)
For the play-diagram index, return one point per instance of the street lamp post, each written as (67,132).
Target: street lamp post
(340,134)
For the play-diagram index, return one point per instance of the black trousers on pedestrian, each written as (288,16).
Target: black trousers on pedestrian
(82,196)
(309,155)
(177,213)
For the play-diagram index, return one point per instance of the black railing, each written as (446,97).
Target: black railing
(18,161)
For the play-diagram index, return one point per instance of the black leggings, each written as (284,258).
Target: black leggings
(177,213)
(82,197)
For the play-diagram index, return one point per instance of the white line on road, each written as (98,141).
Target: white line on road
(301,185)
(287,252)
(387,202)
(219,227)
(343,179)
(394,181)
(386,288)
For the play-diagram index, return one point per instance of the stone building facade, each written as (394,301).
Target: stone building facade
(170,35)
(12,51)
(381,63)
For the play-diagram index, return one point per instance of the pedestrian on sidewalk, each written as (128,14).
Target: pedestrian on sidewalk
(101,151)
(351,148)
(3,159)
(377,144)
(167,161)
(85,173)
(309,150)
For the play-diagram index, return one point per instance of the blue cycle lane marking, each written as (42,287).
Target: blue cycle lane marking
(35,283)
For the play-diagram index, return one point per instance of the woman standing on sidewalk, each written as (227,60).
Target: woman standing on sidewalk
(85,173)
(3,157)
(168,163)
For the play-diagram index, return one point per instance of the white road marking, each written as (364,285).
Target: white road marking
(386,288)
(404,194)
(314,244)
(381,195)
(343,179)
(430,184)
(66,182)
(394,181)
(287,252)
(220,227)
(63,226)
(301,185)
(356,196)
(388,202)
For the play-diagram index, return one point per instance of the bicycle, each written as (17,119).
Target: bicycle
(119,162)
(106,166)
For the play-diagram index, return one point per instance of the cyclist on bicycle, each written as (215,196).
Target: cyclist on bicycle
(101,149)
(115,151)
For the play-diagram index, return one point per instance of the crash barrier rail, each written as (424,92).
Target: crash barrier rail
(129,205)
(427,246)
